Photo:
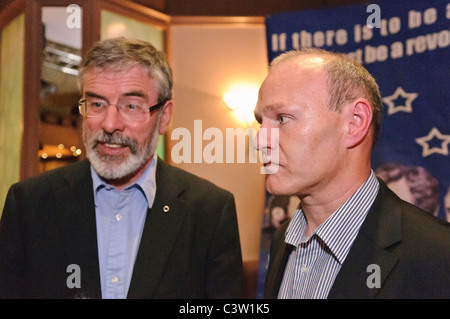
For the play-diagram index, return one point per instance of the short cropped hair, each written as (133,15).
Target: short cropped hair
(347,80)
(120,54)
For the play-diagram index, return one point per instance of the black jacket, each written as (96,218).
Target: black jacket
(410,246)
(190,251)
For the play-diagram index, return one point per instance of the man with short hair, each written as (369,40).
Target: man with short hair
(351,236)
(123,223)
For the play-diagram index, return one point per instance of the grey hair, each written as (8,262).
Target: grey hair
(346,81)
(119,54)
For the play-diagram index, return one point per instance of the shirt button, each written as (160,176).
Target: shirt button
(118,217)
(115,279)
(304,269)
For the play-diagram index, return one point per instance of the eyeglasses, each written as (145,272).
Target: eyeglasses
(131,109)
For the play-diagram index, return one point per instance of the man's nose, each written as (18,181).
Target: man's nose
(112,120)
(262,140)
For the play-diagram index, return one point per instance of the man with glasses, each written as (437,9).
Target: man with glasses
(123,223)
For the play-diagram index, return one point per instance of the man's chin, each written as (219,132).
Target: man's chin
(117,168)
(114,167)
(111,172)
(275,186)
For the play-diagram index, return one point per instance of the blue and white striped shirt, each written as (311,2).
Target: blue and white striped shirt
(316,260)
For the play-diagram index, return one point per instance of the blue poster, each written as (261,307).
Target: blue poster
(405,45)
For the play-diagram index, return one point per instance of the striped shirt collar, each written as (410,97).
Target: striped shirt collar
(340,229)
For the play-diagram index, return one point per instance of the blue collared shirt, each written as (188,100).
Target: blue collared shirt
(316,260)
(120,217)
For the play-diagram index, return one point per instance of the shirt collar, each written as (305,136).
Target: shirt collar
(340,229)
(146,182)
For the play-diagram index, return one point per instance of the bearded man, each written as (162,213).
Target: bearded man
(122,223)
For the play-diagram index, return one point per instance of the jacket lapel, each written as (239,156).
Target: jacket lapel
(277,264)
(380,230)
(77,225)
(163,222)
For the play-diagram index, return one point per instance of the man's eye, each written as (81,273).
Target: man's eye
(282,119)
(131,107)
(95,104)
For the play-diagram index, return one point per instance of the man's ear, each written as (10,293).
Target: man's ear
(165,117)
(359,114)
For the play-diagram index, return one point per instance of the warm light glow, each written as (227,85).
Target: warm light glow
(242,99)
(116,30)
(58,152)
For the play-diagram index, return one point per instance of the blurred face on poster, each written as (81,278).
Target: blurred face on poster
(447,205)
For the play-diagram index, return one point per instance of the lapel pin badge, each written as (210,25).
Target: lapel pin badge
(166,209)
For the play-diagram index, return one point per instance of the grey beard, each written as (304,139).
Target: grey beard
(117,167)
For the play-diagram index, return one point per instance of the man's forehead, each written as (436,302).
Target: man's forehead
(137,77)
(290,79)
(299,68)
(103,83)
(286,86)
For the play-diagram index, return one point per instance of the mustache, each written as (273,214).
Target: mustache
(115,138)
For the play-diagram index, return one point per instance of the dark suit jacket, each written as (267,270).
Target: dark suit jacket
(191,251)
(411,247)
